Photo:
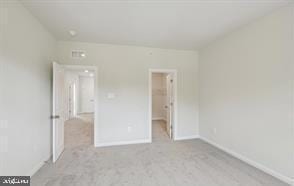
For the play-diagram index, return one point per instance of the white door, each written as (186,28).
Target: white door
(86,94)
(169,105)
(58,112)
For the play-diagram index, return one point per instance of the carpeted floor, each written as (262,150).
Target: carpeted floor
(161,163)
(79,131)
(159,133)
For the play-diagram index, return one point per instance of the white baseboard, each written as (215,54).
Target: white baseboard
(107,144)
(251,162)
(186,137)
(37,167)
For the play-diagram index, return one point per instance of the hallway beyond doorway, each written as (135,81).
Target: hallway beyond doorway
(79,131)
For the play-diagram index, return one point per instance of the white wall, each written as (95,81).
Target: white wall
(86,94)
(124,71)
(246,92)
(26,52)
(159,96)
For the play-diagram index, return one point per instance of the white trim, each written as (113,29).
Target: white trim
(107,144)
(35,169)
(175,87)
(251,162)
(96,105)
(77,67)
(53,113)
(187,137)
(150,104)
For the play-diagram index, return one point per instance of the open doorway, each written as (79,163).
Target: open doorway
(73,107)
(162,89)
(79,101)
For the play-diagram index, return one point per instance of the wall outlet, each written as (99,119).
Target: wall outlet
(129,129)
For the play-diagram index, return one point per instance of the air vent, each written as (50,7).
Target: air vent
(78,54)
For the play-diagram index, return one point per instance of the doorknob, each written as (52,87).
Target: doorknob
(55,117)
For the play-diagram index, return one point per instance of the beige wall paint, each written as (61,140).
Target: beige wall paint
(246,92)
(159,96)
(26,53)
(124,71)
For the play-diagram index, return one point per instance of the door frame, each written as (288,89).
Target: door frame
(175,104)
(95,73)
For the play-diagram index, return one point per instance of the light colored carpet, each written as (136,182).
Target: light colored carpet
(79,131)
(162,163)
(159,133)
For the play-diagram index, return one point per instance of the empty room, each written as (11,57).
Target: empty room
(147,93)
